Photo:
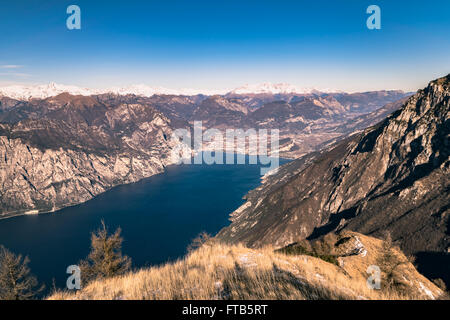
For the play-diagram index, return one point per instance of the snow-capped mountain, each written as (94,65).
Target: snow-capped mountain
(147,91)
(275,88)
(26,92)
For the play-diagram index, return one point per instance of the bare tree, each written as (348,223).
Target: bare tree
(105,259)
(391,264)
(16,282)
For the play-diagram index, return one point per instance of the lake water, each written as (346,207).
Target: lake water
(159,217)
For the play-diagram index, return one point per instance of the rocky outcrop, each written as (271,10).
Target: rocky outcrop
(67,149)
(393,177)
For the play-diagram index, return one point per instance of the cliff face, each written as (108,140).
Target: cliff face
(393,177)
(67,149)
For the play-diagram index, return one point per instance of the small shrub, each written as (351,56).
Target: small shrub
(105,259)
(440,284)
(301,249)
(199,241)
(16,282)
(390,265)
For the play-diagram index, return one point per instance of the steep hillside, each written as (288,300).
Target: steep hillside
(67,149)
(393,177)
(218,271)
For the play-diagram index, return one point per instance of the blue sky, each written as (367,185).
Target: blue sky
(219,44)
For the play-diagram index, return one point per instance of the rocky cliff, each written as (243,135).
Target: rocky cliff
(67,149)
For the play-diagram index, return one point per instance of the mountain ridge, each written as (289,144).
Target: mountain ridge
(42,91)
(402,189)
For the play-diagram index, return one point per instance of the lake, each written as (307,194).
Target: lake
(159,217)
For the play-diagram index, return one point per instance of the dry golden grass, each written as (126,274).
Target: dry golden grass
(219,271)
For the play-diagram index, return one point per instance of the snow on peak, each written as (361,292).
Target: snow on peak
(275,88)
(26,92)
(269,88)
(147,91)
(140,90)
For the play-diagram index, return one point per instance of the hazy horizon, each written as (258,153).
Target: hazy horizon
(194,91)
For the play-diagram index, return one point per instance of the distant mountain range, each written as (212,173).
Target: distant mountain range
(26,92)
(278,88)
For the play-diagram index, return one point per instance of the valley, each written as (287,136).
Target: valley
(66,149)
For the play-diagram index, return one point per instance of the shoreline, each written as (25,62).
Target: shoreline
(56,210)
